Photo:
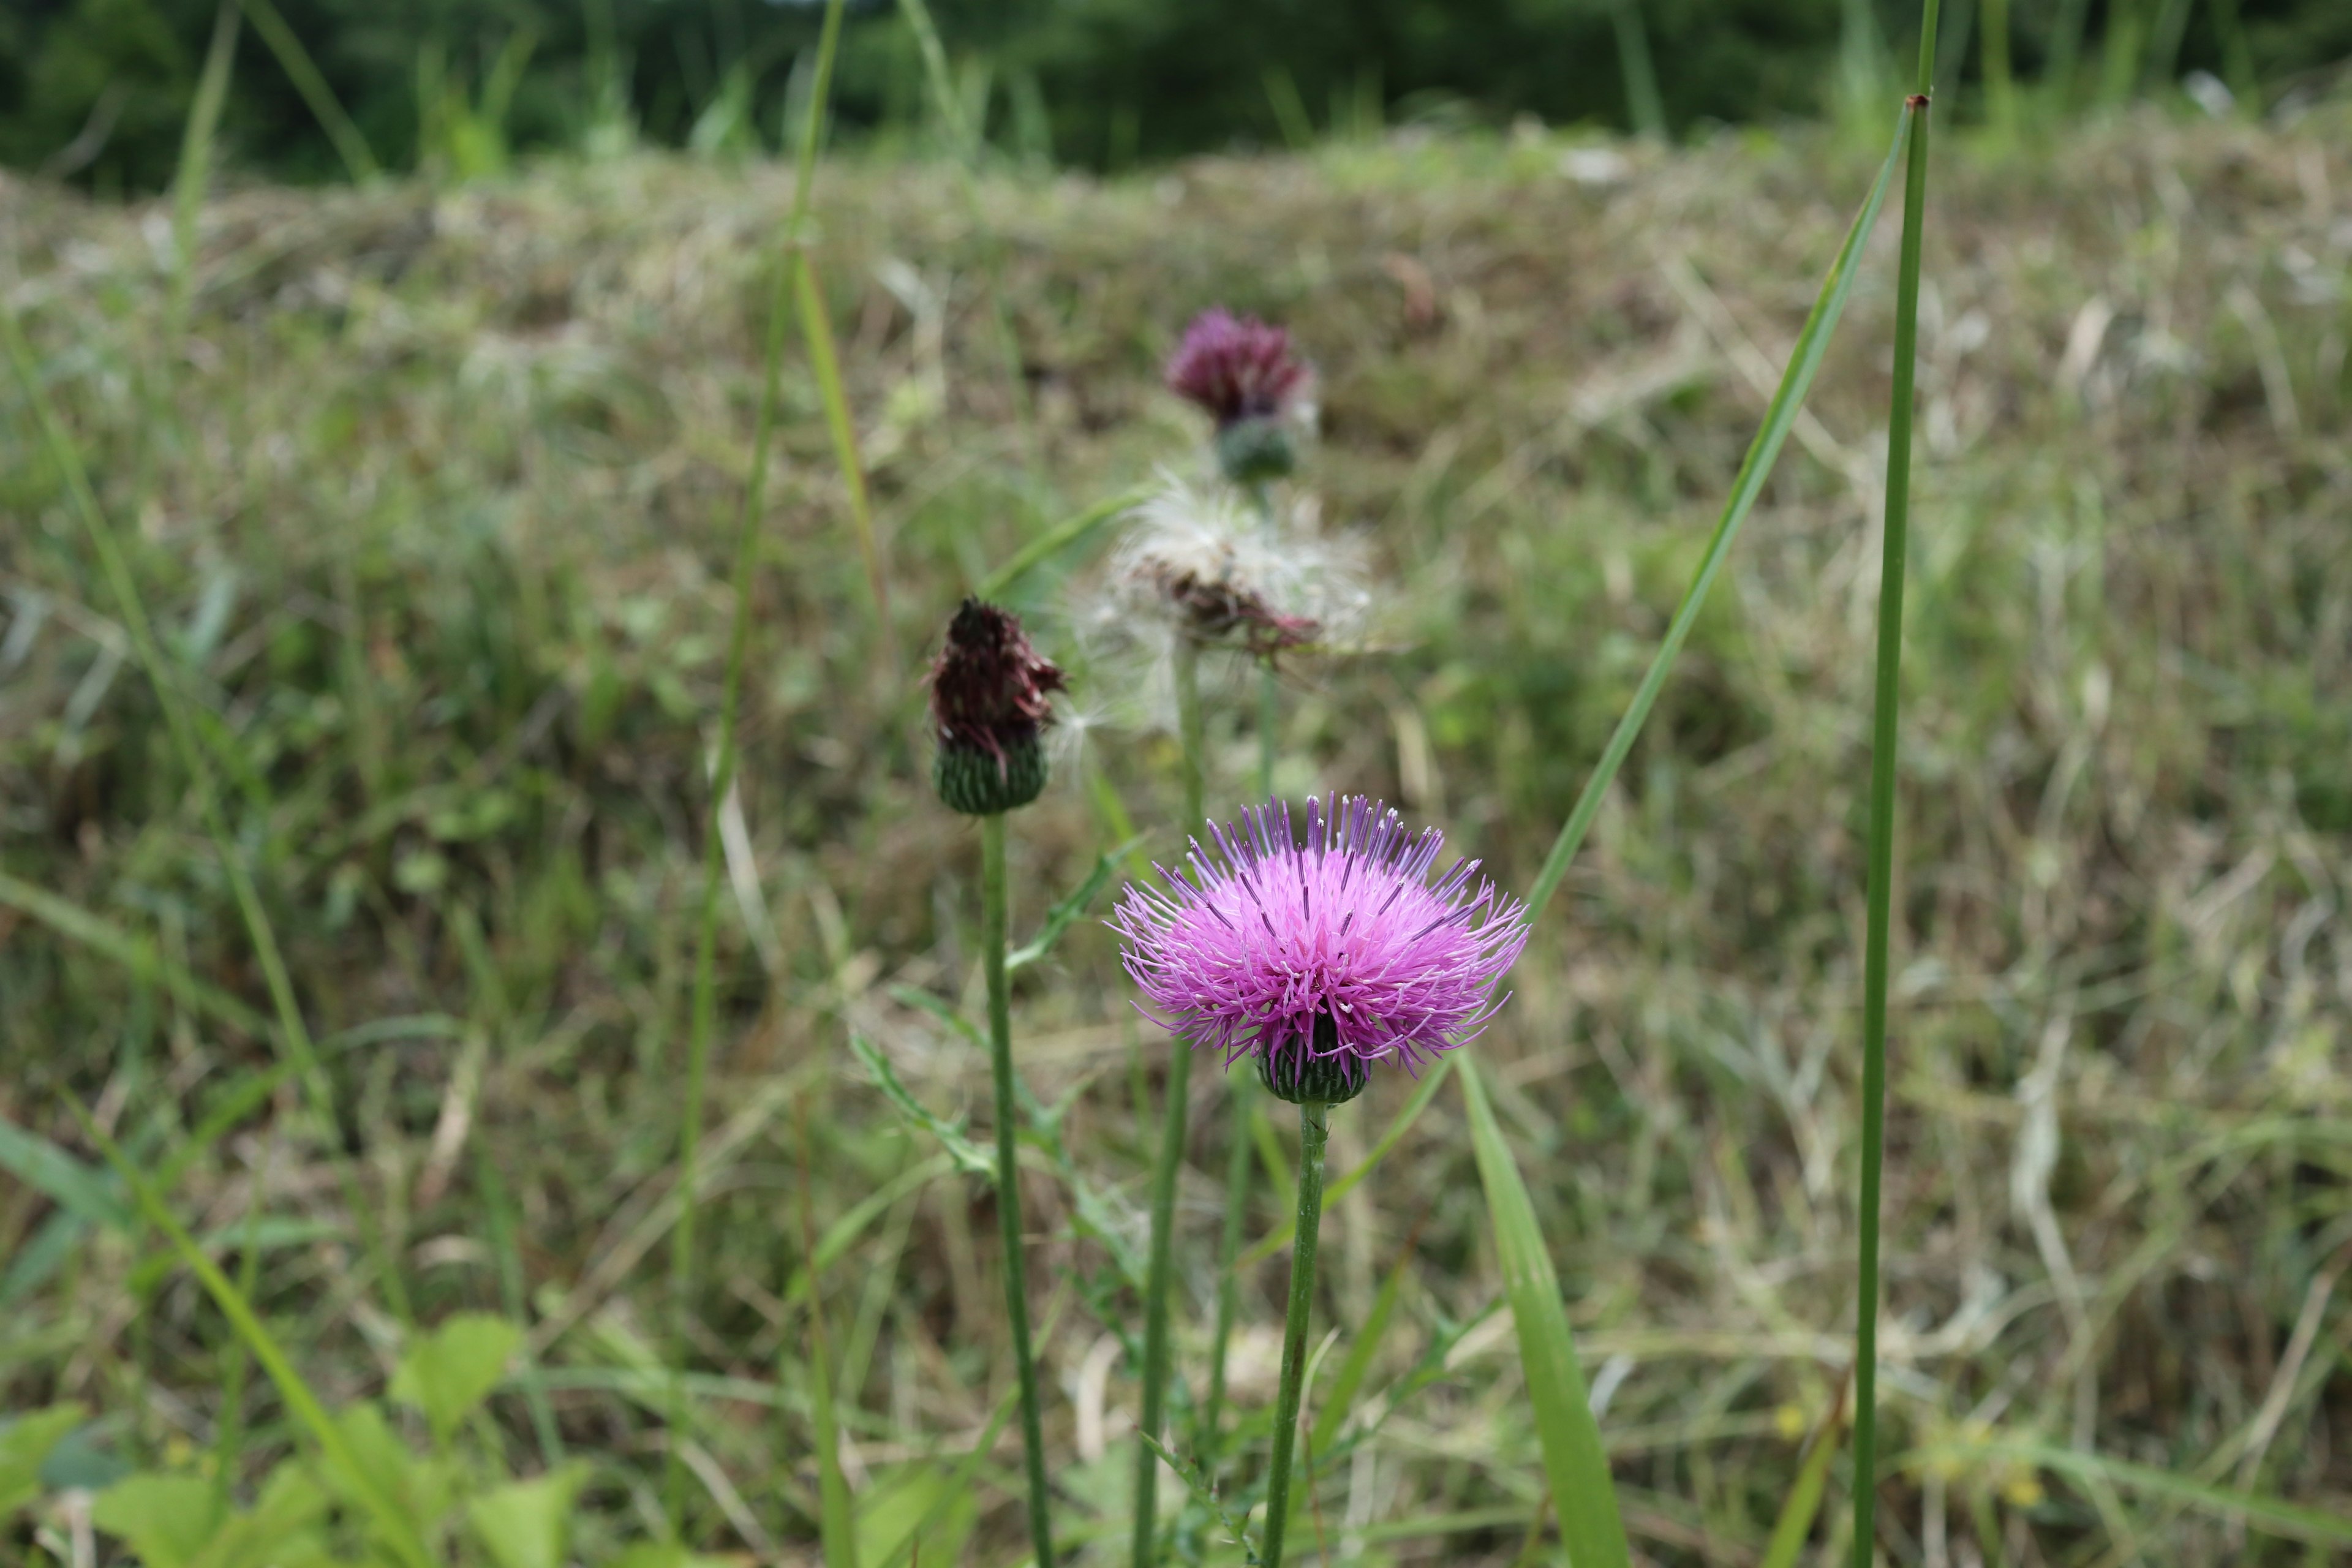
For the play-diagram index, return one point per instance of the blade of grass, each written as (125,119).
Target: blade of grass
(1641,77)
(2268,1514)
(1779,417)
(817,333)
(134,952)
(1058,538)
(1574,1459)
(722,772)
(303,72)
(1795,1525)
(195,166)
(837,1523)
(1885,714)
(393,1523)
(1350,1378)
(229,1450)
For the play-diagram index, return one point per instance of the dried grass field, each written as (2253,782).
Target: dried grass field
(432,493)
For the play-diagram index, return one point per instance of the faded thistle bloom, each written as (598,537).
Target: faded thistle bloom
(1242,372)
(1318,959)
(989,690)
(1224,576)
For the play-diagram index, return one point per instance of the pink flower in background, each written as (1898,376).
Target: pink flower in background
(1318,959)
(1235,367)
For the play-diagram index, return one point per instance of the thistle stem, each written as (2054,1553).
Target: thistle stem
(1886,712)
(1160,1268)
(1008,1175)
(1314,1132)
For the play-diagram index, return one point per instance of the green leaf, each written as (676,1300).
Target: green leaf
(528,1524)
(277,1532)
(417,1491)
(1578,1465)
(167,1518)
(1058,538)
(24,1443)
(918,1506)
(57,1175)
(2261,1512)
(668,1554)
(1059,918)
(449,1371)
(969,1157)
(1795,1525)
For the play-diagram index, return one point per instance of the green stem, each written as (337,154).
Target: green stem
(1314,1132)
(1641,77)
(1160,1268)
(1237,1190)
(1884,715)
(1008,1175)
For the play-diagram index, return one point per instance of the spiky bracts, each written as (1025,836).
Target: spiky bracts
(1242,372)
(1321,957)
(989,707)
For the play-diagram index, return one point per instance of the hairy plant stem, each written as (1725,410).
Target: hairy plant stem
(1159,1267)
(1008,1175)
(1884,729)
(1314,1132)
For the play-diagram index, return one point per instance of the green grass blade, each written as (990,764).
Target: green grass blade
(1574,1460)
(1350,1378)
(1649,111)
(1779,419)
(1886,703)
(1795,1525)
(303,72)
(396,1528)
(2267,1514)
(837,1520)
(134,953)
(195,164)
(1058,538)
(817,333)
(1401,1123)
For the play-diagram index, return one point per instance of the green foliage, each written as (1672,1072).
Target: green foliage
(528,1524)
(448,1374)
(26,1442)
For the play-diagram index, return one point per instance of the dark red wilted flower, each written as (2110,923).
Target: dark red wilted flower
(1213,611)
(989,690)
(1236,368)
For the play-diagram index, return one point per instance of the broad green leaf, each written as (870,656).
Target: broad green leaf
(419,1490)
(528,1524)
(1582,1487)
(167,1518)
(24,1443)
(448,1373)
(279,1532)
(921,1506)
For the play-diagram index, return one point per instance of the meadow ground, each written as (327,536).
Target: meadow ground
(433,490)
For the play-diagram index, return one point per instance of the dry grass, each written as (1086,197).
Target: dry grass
(436,499)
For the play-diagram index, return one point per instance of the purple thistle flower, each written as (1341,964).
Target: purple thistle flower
(1236,368)
(1320,958)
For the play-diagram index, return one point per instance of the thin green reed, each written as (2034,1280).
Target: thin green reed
(311,83)
(1884,731)
(722,773)
(992,922)
(1159,1267)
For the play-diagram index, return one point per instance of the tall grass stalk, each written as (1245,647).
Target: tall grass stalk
(722,778)
(1779,419)
(1884,728)
(195,168)
(1648,109)
(992,922)
(303,72)
(1314,1134)
(1160,1265)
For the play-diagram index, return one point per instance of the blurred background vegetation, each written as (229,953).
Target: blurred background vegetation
(97,91)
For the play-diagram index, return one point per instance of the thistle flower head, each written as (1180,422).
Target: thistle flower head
(1235,367)
(989,691)
(1319,958)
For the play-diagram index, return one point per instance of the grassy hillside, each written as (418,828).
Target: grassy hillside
(431,490)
